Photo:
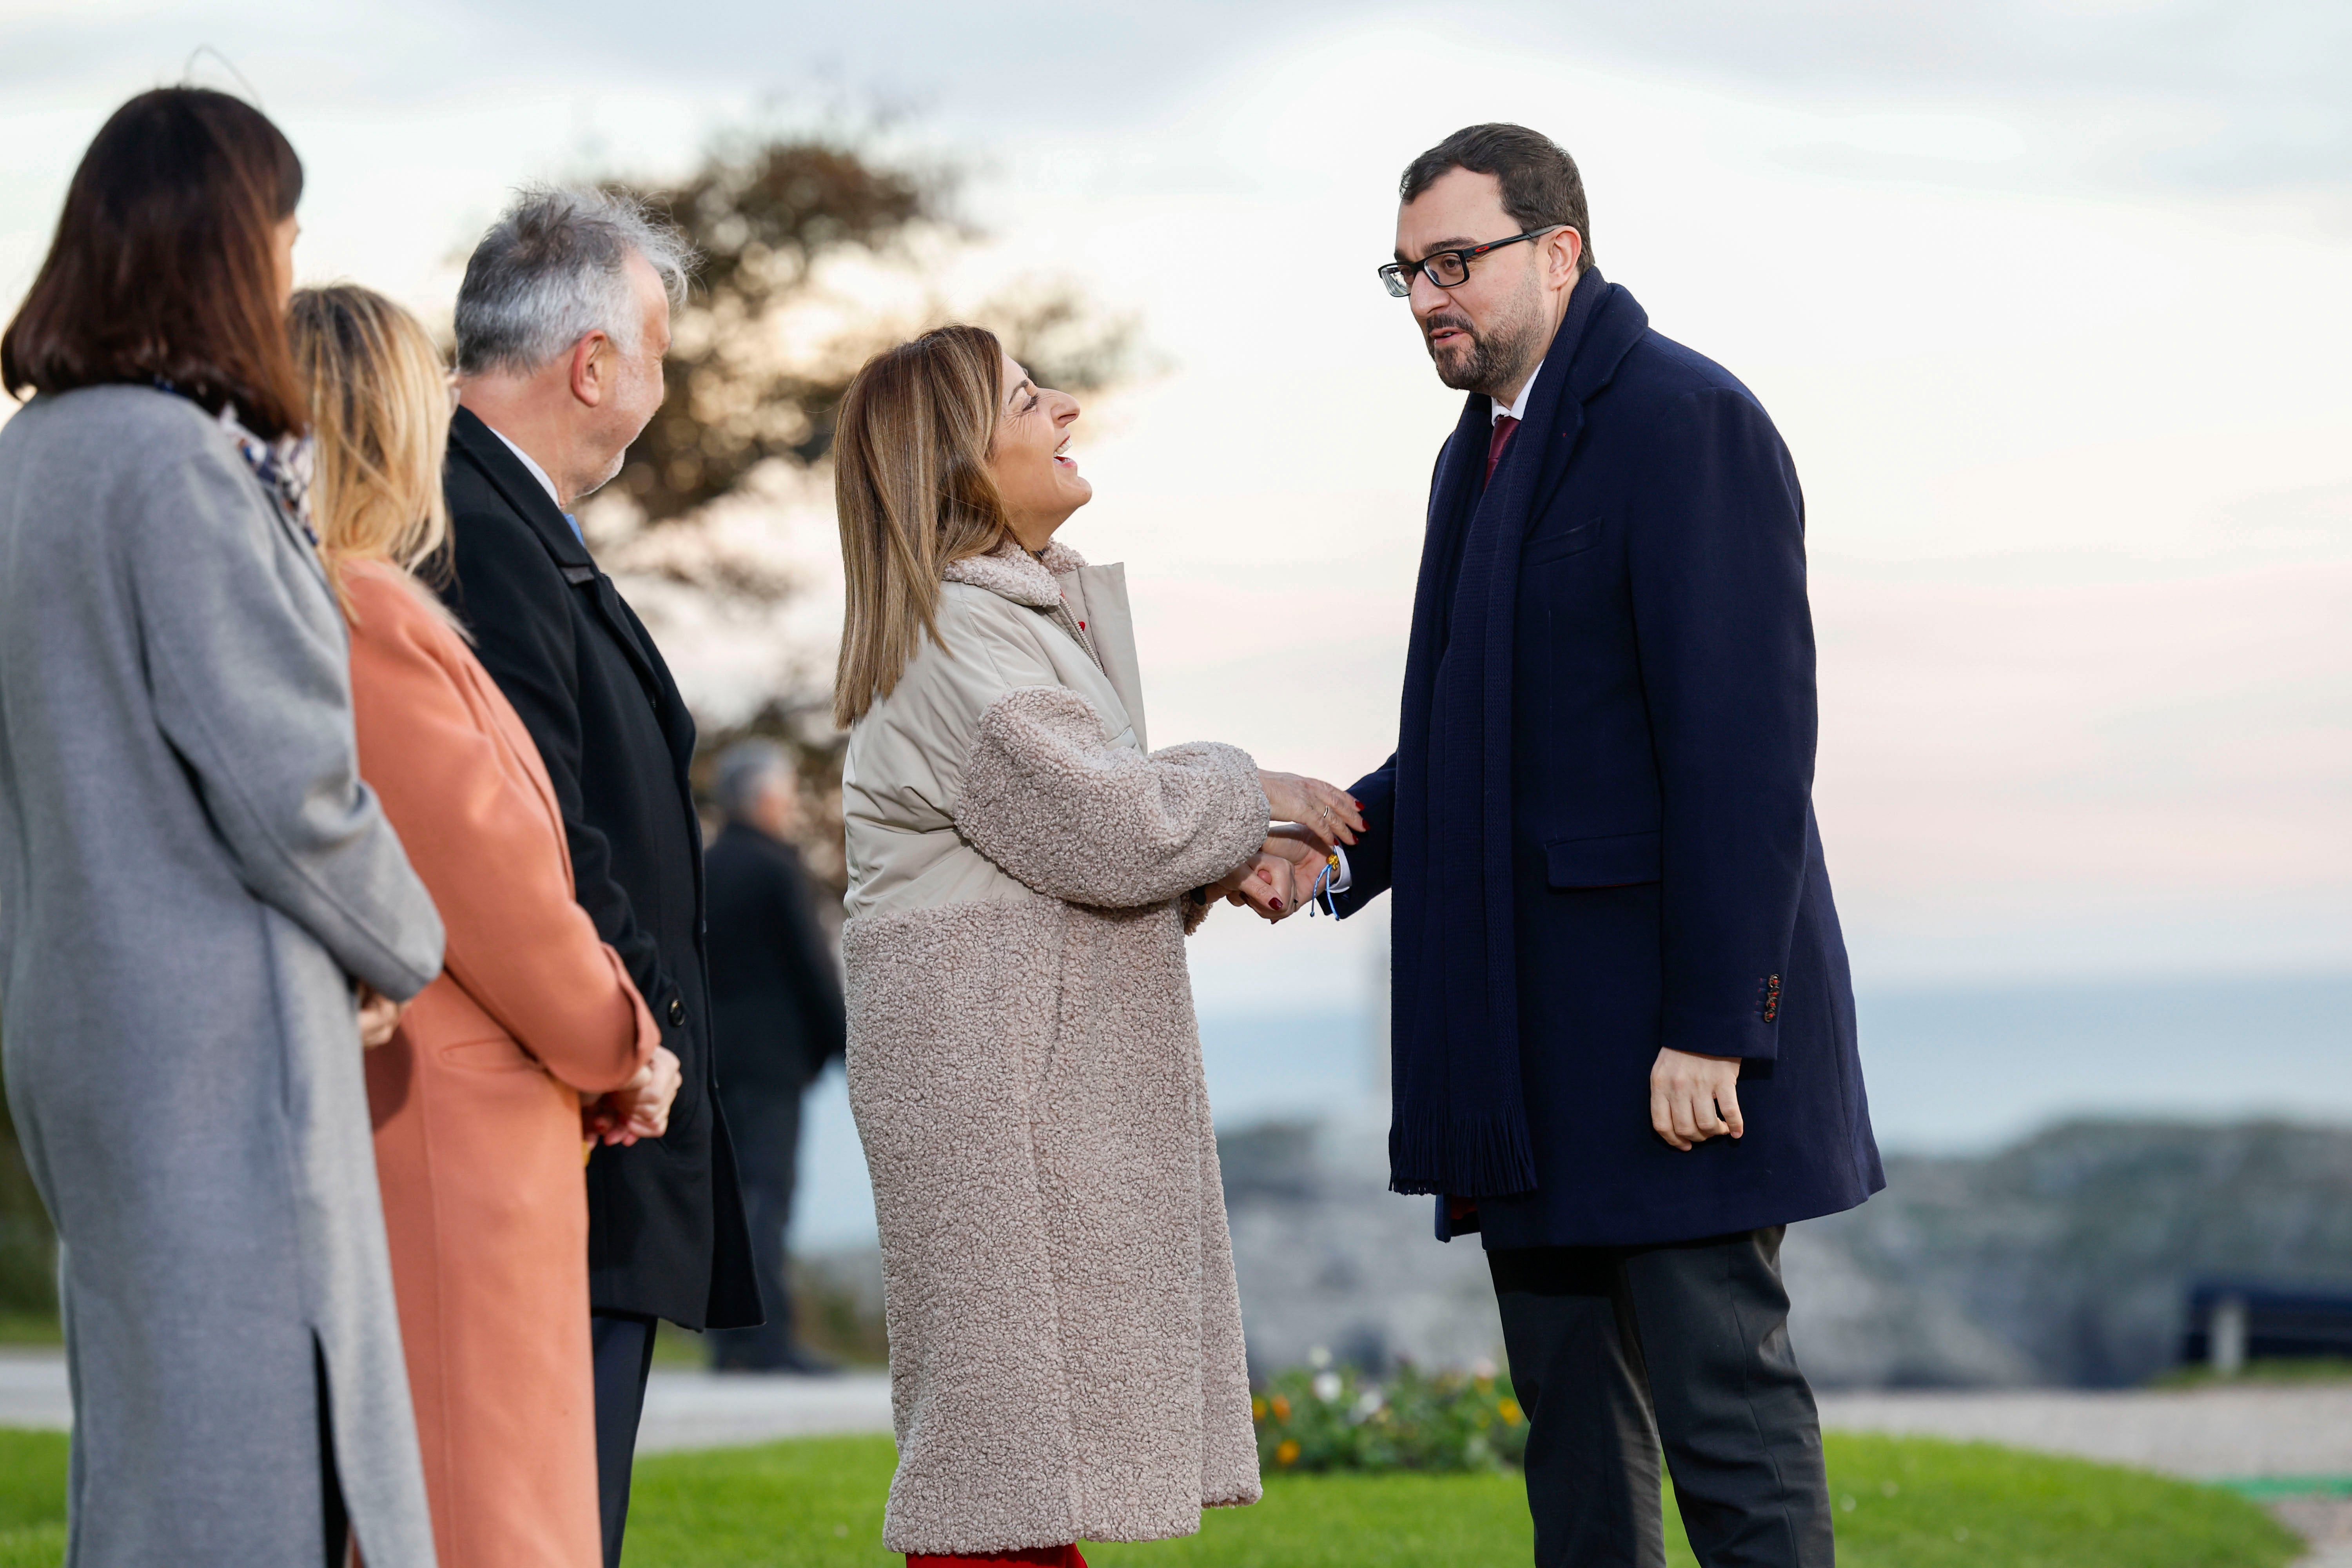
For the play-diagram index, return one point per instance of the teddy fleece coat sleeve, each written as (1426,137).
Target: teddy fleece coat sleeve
(1073,818)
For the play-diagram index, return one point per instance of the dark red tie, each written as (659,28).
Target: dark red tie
(1497,442)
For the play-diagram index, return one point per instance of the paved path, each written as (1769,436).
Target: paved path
(2325,1522)
(698,1410)
(683,1409)
(2217,1433)
(32,1390)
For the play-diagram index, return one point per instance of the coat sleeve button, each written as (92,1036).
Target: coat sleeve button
(678,1011)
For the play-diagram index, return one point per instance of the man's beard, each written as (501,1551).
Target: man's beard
(612,471)
(1497,360)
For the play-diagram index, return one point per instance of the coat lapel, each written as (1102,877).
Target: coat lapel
(669,706)
(531,502)
(1615,324)
(530,498)
(1530,470)
(1099,596)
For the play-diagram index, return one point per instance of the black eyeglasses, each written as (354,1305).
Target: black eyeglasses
(1451,268)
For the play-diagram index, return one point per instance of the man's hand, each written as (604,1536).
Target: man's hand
(379,1017)
(639,1108)
(1693,1098)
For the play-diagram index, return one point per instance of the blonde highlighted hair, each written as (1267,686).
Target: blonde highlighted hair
(380,411)
(912,487)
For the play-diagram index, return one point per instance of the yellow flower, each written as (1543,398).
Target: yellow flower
(1257,1408)
(1287,1453)
(1282,1407)
(1511,1411)
(1486,1384)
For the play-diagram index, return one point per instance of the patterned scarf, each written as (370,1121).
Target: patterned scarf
(284,467)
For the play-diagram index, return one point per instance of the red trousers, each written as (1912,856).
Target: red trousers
(1029,1557)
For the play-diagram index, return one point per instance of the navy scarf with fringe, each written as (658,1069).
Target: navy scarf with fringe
(1460,1123)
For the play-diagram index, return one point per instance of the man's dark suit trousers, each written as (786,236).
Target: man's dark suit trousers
(624,1350)
(1617,1352)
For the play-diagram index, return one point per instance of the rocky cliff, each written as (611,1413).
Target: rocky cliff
(2063,1259)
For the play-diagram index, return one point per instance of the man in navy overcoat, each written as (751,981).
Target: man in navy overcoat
(1623,1030)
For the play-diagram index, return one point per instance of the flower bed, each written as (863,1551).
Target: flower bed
(1322,1417)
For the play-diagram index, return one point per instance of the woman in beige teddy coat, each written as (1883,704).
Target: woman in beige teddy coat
(1065,1340)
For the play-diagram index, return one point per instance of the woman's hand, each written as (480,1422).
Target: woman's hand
(1257,883)
(639,1108)
(379,1017)
(1293,854)
(1278,881)
(1327,811)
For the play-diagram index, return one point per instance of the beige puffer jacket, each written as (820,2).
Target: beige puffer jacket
(1066,1343)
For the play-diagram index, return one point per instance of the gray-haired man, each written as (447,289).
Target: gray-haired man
(563,322)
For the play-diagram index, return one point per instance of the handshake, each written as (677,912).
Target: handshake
(1310,817)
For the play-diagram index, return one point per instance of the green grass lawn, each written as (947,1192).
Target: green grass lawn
(32,1498)
(1903,1503)
(30,1328)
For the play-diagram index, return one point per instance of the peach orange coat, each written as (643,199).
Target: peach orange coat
(477,1129)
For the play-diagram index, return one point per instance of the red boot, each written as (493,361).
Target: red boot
(1028,1557)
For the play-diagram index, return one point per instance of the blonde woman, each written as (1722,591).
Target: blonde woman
(1066,1341)
(478,1099)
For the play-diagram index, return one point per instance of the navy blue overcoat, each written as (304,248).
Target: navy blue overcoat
(1668,883)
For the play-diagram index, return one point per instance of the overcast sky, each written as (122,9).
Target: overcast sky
(2048,300)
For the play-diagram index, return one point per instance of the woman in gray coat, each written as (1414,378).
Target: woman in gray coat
(196,893)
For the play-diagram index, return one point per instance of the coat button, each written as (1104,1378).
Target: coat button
(677,1011)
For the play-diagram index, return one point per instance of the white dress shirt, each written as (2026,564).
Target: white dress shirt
(540,475)
(1496,412)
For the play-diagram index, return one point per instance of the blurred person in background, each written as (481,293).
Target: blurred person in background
(1623,1025)
(205,911)
(776,1021)
(478,1099)
(562,320)
(1065,1339)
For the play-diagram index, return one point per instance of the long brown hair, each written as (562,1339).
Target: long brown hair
(380,413)
(164,265)
(912,487)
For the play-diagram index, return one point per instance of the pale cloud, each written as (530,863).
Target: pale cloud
(2041,296)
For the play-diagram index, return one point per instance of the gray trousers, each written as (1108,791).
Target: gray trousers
(1618,1352)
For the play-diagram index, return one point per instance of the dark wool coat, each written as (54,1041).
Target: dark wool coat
(775,990)
(666,1232)
(1668,887)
